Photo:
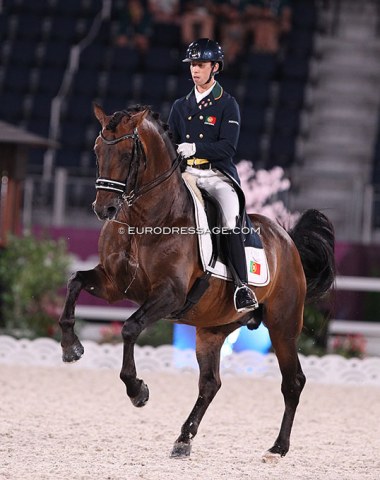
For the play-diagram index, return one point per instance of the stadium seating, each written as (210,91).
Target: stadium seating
(18,79)
(249,146)
(281,150)
(257,93)
(264,66)
(125,59)
(36,41)
(166,35)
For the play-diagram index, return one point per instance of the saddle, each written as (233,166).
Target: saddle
(208,222)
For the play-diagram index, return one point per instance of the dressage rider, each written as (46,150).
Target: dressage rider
(206,125)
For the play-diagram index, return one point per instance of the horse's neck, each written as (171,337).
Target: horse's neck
(170,197)
(180,201)
(167,203)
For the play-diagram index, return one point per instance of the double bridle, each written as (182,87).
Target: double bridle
(121,187)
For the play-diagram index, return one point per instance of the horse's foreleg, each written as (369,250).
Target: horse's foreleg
(293,381)
(161,305)
(95,282)
(137,390)
(209,343)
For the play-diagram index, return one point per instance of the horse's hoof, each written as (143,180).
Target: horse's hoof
(141,399)
(270,457)
(181,450)
(73,353)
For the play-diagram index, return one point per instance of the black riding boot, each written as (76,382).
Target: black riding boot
(244,298)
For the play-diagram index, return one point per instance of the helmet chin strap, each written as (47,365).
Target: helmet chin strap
(212,74)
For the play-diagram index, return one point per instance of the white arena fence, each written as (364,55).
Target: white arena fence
(369,330)
(329,369)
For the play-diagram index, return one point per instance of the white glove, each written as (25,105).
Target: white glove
(186,149)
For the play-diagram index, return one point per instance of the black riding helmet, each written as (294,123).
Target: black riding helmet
(205,50)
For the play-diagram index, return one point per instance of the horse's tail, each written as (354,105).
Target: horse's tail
(314,238)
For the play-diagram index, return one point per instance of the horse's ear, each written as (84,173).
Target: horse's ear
(139,117)
(99,114)
(144,114)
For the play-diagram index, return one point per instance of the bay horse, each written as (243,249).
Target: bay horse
(139,184)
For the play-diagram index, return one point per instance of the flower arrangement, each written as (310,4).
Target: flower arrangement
(352,345)
(32,270)
(262,189)
(111,333)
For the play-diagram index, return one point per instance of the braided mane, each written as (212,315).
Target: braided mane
(117,116)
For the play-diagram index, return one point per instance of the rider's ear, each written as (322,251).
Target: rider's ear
(99,114)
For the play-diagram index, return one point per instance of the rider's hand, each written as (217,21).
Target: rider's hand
(186,149)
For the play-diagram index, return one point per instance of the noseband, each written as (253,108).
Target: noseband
(116,185)
(121,187)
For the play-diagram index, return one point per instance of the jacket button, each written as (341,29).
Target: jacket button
(201,135)
(201,117)
(189,118)
(187,135)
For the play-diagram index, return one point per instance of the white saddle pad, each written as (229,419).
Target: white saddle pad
(257,265)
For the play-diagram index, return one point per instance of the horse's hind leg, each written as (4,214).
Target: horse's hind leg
(93,281)
(209,343)
(293,381)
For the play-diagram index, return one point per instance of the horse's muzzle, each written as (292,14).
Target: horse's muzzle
(105,212)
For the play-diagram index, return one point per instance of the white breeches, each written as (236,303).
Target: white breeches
(221,188)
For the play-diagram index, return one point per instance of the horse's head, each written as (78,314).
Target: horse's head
(134,156)
(119,154)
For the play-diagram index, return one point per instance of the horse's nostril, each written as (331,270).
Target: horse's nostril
(111,212)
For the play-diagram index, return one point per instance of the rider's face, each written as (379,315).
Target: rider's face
(200,72)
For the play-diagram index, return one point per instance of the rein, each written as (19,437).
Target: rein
(121,187)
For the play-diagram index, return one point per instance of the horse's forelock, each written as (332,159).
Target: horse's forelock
(129,112)
(115,120)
